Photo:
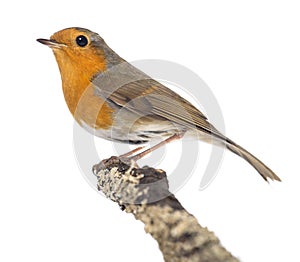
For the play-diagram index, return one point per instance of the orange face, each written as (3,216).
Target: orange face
(81,49)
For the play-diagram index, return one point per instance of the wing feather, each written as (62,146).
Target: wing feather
(127,86)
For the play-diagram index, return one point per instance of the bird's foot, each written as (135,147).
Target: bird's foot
(122,162)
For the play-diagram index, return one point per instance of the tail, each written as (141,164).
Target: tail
(261,168)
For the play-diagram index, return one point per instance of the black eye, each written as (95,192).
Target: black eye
(81,40)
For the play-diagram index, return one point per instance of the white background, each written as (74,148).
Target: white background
(247,52)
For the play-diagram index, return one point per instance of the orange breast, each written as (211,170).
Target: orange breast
(93,110)
(79,91)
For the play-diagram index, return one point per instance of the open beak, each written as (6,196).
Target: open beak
(50,43)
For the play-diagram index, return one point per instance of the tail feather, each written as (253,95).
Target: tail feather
(261,168)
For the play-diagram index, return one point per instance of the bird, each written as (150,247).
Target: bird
(117,101)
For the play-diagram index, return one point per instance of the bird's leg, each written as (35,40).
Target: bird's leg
(131,160)
(162,143)
(132,151)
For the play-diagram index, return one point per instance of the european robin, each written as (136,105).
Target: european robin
(117,101)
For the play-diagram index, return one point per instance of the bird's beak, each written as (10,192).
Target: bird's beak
(50,43)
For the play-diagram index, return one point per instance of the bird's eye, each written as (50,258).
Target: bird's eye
(81,40)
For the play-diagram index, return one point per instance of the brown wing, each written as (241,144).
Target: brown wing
(128,87)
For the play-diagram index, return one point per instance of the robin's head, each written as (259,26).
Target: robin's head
(78,50)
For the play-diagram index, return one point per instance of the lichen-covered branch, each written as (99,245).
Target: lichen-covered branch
(144,193)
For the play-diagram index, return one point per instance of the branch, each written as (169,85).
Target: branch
(144,192)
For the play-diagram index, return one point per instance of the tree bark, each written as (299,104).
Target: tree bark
(144,192)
